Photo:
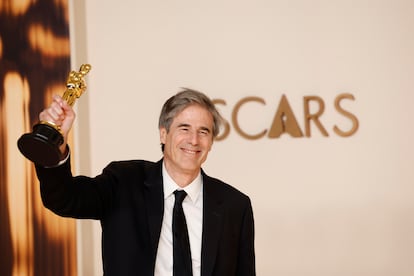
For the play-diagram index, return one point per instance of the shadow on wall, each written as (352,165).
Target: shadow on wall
(34,62)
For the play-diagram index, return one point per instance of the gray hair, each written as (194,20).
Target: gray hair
(183,99)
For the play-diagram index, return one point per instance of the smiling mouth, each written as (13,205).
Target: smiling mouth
(190,151)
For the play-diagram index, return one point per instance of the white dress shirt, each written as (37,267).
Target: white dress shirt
(193,211)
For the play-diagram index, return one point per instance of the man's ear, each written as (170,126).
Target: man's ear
(163,135)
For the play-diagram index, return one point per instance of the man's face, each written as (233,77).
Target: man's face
(188,141)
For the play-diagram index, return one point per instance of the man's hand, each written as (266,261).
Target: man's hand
(61,114)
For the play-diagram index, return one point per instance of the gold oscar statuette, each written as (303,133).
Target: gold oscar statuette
(42,145)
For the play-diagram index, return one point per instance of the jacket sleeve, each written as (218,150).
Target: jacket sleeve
(77,197)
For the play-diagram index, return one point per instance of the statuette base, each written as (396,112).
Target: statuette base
(42,145)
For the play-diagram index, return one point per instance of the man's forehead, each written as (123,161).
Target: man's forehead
(194,116)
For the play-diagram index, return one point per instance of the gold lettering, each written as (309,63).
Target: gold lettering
(352,117)
(313,117)
(235,118)
(284,121)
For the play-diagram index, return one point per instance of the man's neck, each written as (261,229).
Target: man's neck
(181,178)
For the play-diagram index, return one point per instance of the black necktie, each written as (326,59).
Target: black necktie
(182,265)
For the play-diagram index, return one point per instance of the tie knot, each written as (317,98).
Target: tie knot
(179,196)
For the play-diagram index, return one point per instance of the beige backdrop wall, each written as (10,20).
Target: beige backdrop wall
(324,205)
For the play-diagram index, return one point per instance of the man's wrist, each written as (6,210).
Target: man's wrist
(64,158)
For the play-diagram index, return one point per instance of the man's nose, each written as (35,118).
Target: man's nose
(194,137)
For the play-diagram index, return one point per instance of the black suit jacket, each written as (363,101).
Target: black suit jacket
(128,200)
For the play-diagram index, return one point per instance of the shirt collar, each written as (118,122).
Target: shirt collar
(193,189)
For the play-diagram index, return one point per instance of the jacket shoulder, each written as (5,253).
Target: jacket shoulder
(224,189)
(130,168)
(131,164)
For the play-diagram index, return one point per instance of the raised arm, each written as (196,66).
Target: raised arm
(61,114)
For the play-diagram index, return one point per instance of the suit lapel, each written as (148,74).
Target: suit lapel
(154,202)
(212,225)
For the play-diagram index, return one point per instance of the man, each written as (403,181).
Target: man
(134,199)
